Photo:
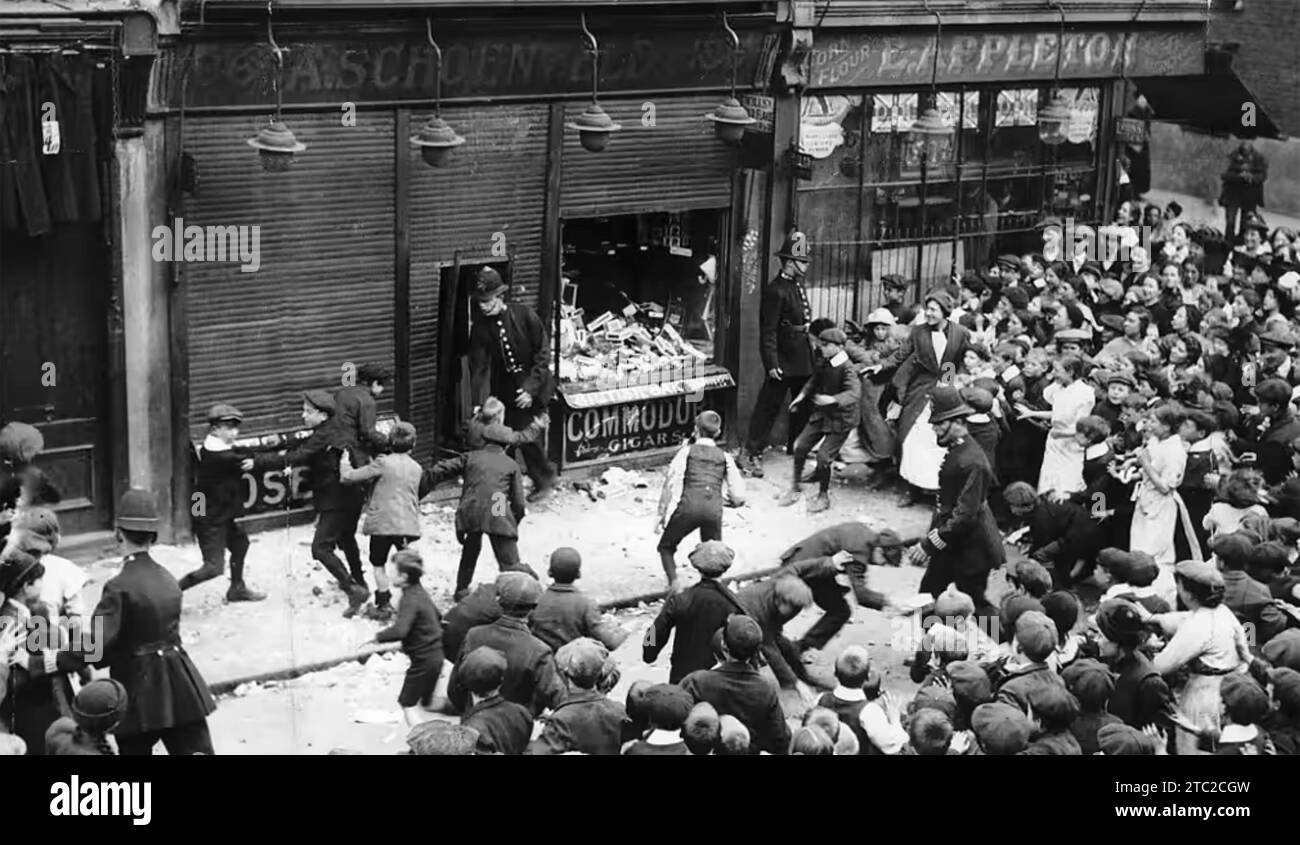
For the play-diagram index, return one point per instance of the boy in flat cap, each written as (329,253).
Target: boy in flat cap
(418,628)
(701,480)
(96,711)
(735,687)
(530,679)
(835,391)
(1062,536)
(504,727)
(1027,679)
(510,357)
(337,505)
(1245,704)
(695,614)
(355,409)
(479,607)
(1055,712)
(219,502)
(894,287)
(1001,729)
(1283,724)
(667,707)
(565,613)
(1141,697)
(1092,684)
(586,720)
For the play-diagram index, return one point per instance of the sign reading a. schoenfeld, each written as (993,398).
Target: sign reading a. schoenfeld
(593,433)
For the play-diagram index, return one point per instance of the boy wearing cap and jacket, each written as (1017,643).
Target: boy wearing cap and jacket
(835,390)
(219,503)
(586,720)
(503,726)
(735,688)
(701,480)
(565,613)
(418,628)
(696,614)
(355,409)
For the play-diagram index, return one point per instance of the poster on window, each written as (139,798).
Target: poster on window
(893,112)
(820,128)
(946,104)
(1017,107)
(1082,128)
(970,112)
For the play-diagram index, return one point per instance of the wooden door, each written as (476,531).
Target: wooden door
(54,292)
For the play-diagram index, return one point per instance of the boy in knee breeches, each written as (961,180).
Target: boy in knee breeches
(701,480)
(835,390)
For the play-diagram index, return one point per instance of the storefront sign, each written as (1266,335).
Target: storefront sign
(482,62)
(760,107)
(873,60)
(616,430)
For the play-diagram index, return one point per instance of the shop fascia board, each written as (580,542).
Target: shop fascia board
(166,13)
(842,14)
(194,7)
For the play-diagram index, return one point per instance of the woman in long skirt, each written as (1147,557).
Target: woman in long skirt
(878,438)
(1207,644)
(1072,399)
(1159,511)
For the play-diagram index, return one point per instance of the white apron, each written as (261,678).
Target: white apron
(922,454)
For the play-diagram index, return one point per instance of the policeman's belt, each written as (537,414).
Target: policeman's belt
(158,648)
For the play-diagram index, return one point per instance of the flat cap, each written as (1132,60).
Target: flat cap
(1120,622)
(970,683)
(1284,649)
(1090,681)
(582,659)
(322,400)
(1286,688)
(1200,572)
(978,398)
(1037,634)
(1113,289)
(833,336)
(439,738)
(1015,607)
(1121,378)
(893,280)
(1121,740)
(1243,698)
(517,589)
(1002,729)
(667,706)
(1072,336)
(712,558)
(225,413)
(1009,262)
(482,670)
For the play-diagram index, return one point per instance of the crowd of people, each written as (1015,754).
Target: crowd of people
(1127,419)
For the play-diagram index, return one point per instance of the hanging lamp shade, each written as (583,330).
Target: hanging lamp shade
(276,146)
(729,120)
(594,128)
(436,140)
(931,134)
(1053,119)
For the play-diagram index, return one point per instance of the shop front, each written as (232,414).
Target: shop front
(368,253)
(895,188)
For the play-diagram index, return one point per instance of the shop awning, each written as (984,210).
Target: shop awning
(1209,102)
(578,399)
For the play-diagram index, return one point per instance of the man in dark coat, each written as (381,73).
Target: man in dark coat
(140,611)
(772,603)
(1062,535)
(1278,429)
(846,548)
(963,544)
(834,391)
(338,505)
(1243,185)
(737,689)
(786,352)
(510,358)
(696,614)
(530,677)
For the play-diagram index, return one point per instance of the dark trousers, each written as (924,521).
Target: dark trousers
(182,740)
(831,442)
(771,397)
(214,539)
(537,465)
(938,575)
(687,518)
(338,530)
(382,544)
(506,550)
(829,596)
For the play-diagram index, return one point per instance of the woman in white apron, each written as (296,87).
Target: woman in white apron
(1072,399)
(1158,510)
(1206,643)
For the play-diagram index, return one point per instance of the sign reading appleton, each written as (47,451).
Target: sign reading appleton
(879,60)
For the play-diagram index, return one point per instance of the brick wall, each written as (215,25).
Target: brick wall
(1268,61)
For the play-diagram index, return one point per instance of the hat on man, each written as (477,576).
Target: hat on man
(1286,688)
(946,404)
(712,558)
(1278,338)
(1091,267)
(970,683)
(1254,220)
(14,567)
(882,317)
(222,412)
(487,284)
(516,589)
(321,400)
(1199,571)
(978,398)
(1008,262)
(1121,378)
(1120,740)
(794,247)
(1090,681)
(1284,649)
(1072,336)
(136,511)
(1120,622)
(1013,608)
(439,738)
(565,564)
(833,335)
(1037,634)
(582,659)
(893,281)
(409,561)
(1243,698)
(1002,729)
(99,705)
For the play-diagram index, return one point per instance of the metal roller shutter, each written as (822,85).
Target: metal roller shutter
(495,182)
(674,165)
(323,295)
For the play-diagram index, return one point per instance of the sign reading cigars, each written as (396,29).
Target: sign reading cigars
(873,60)
(635,427)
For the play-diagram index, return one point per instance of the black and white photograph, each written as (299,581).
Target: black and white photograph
(390,378)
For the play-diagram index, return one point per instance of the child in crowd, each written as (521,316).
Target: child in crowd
(1091,683)
(1001,729)
(1029,578)
(36,531)
(930,734)
(1055,711)
(585,720)
(504,727)
(666,708)
(1244,706)
(96,710)
(1283,724)
(1133,576)
(1028,675)
(1239,498)
(811,742)
(638,722)
(843,739)
(701,480)
(392,515)
(1063,609)
(565,613)
(418,628)
(856,687)
(491,498)
(703,730)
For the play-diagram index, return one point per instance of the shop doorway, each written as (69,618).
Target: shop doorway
(54,297)
(455,400)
